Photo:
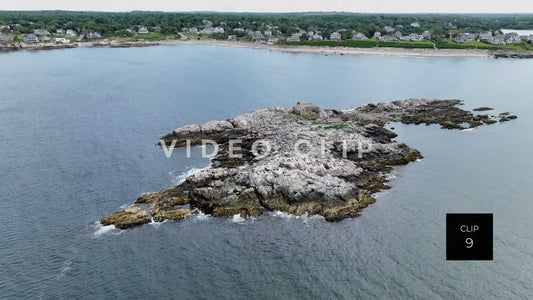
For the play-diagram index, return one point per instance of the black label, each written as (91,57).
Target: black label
(469,236)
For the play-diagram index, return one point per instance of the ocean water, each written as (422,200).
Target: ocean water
(78,129)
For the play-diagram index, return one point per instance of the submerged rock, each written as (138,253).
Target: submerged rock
(304,160)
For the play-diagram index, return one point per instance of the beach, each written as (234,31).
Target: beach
(322,50)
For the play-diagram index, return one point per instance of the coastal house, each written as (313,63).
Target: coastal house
(71,32)
(255,34)
(4,38)
(218,30)
(512,38)
(387,38)
(232,37)
(415,25)
(426,35)
(31,38)
(143,30)
(359,36)
(45,38)
(464,37)
(295,37)
(93,35)
(377,35)
(62,40)
(238,29)
(41,32)
(60,31)
(335,36)
(413,37)
(398,34)
(268,33)
(485,36)
(316,37)
(272,41)
(193,30)
(388,29)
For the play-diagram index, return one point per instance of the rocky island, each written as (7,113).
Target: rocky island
(304,160)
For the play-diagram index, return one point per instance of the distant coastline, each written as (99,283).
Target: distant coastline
(324,50)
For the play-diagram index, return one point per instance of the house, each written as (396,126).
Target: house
(295,37)
(71,32)
(512,38)
(45,38)
(398,34)
(272,41)
(485,36)
(60,31)
(218,30)
(268,33)
(413,37)
(317,36)
(193,30)
(4,38)
(377,35)
(207,23)
(464,37)
(387,38)
(388,29)
(415,25)
(31,38)
(496,40)
(238,29)
(41,32)
(92,35)
(143,30)
(335,36)
(426,35)
(232,38)
(359,36)
(255,34)
(62,40)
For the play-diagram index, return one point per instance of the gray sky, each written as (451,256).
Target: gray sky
(385,6)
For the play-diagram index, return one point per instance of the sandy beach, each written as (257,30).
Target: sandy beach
(341,50)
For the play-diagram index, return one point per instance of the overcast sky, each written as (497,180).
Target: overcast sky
(385,6)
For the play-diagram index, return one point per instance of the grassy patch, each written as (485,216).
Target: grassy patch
(336,127)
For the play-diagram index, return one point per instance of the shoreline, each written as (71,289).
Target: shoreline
(321,50)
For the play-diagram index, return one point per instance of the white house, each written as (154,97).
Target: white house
(142,30)
(335,36)
(31,38)
(62,40)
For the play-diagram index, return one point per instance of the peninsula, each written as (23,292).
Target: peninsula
(300,160)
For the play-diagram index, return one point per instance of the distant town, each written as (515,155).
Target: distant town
(326,29)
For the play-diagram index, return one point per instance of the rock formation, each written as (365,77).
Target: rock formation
(303,160)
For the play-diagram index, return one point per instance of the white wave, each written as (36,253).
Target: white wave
(101,229)
(390,176)
(126,205)
(155,223)
(183,176)
(469,129)
(237,218)
(305,216)
(200,216)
